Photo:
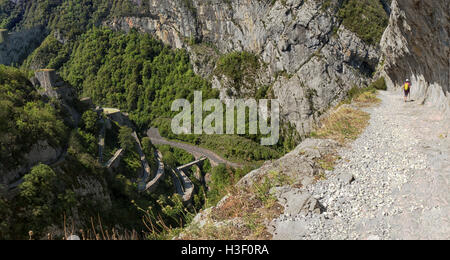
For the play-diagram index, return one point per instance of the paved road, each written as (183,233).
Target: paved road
(177,183)
(188,186)
(114,158)
(153,184)
(101,141)
(145,166)
(196,151)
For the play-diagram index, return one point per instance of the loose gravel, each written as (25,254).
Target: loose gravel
(392,183)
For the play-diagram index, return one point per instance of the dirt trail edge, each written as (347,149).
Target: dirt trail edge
(401,170)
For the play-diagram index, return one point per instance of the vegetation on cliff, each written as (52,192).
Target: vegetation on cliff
(72,17)
(133,72)
(240,68)
(140,75)
(366,18)
(25,118)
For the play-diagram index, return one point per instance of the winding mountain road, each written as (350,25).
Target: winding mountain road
(197,152)
(153,184)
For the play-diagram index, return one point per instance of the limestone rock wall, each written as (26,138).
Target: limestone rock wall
(16,47)
(302,40)
(51,85)
(416,46)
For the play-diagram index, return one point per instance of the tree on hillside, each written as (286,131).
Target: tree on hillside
(147,145)
(37,193)
(90,121)
(5,219)
(126,139)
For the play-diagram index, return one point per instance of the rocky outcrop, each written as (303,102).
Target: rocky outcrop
(416,46)
(296,201)
(302,40)
(51,85)
(16,46)
(300,165)
(41,152)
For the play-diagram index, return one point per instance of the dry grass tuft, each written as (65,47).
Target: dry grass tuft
(344,125)
(245,214)
(367,99)
(327,161)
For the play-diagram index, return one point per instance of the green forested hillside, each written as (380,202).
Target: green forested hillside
(366,18)
(76,188)
(133,72)
(140,75)
(70,16)
(25,118)
(30,22)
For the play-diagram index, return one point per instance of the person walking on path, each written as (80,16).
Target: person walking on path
(407,89)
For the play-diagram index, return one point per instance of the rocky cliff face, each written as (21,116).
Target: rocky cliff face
(39,152)
(51,85)
(416,46)
(18,45)
(309,59)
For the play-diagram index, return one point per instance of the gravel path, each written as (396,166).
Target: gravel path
(401,170)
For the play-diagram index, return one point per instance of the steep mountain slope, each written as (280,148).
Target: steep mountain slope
(390,183)
(37,141)
(309,54)
(50,173)
(32,128)
(309,61)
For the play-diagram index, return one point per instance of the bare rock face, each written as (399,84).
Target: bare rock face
(296,201)
(416,46)
(40,152)
(51,85)
(16,46)
(317,58)
(299,165)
